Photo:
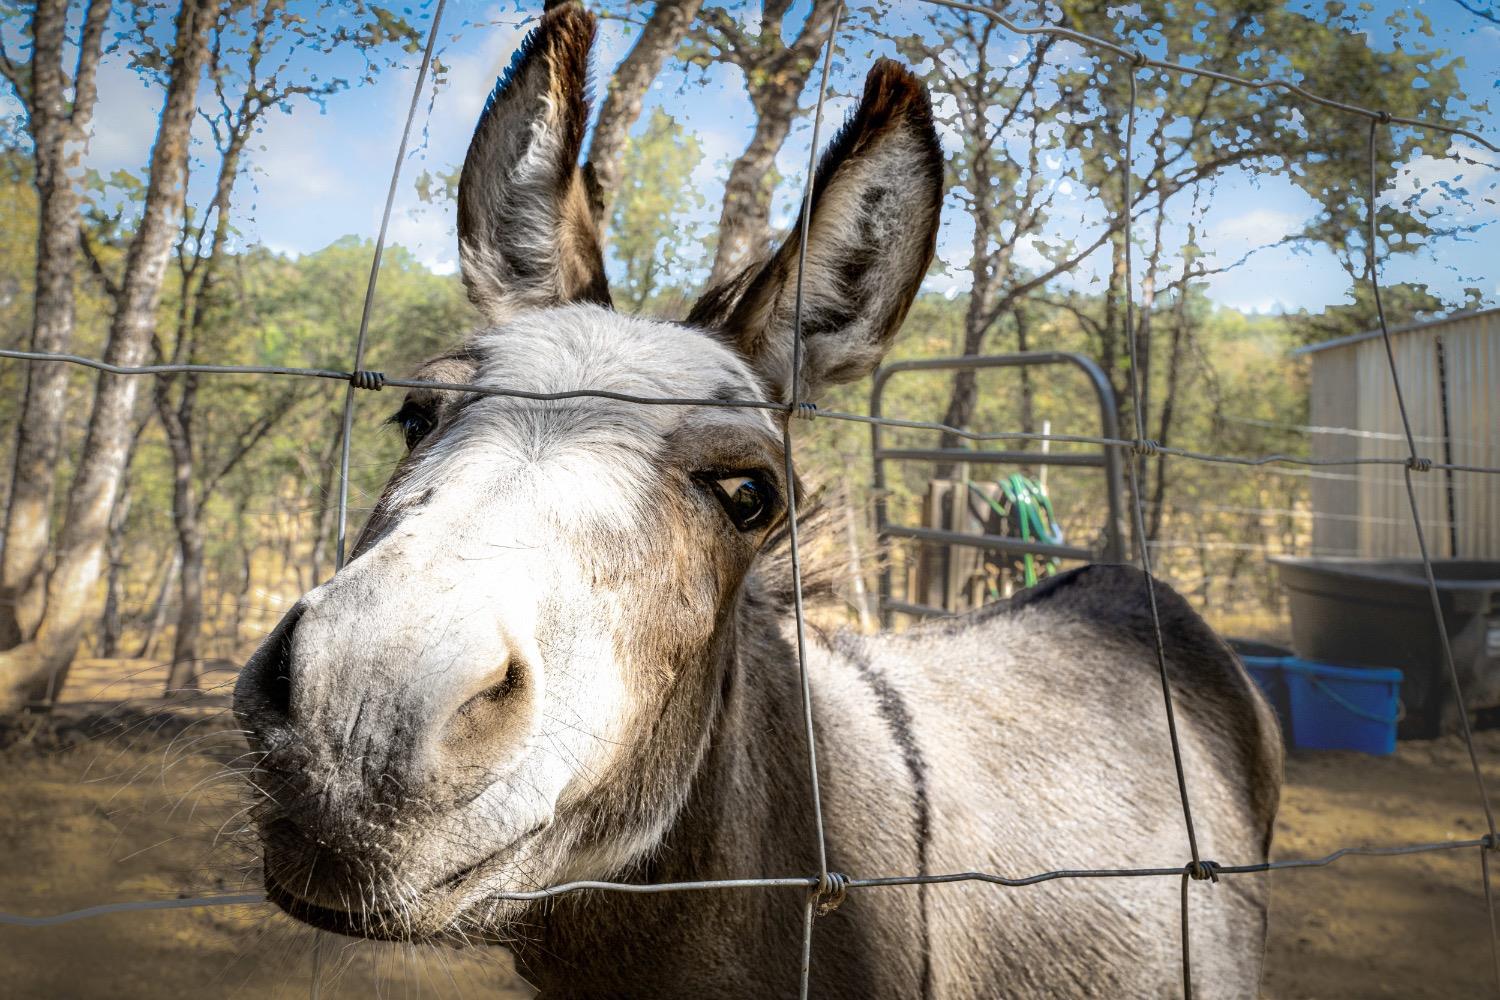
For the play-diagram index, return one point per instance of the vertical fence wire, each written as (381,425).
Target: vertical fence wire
(794,408)
(1195,869)
(1415,463)
(346,425)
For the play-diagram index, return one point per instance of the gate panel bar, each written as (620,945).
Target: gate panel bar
(1112,549)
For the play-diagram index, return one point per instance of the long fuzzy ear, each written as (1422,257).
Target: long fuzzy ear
(526,237)
(876,199)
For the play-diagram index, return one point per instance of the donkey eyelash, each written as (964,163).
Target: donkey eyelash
(744,518)
(415,422)
(711,476)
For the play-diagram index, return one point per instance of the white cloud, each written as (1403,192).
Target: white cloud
(1254,228)
(1464,185)
(125,119)
(429,235)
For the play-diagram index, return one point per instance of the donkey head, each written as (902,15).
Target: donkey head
(512,681)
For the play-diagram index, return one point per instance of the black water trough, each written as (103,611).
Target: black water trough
(1377,613)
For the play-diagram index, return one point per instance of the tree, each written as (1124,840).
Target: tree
(996,177)
(1403,302)
(254,68)
(1191,131)
(59,108)
(650,236)
(776,72)
(1006,108)
(91,496)
(659,37)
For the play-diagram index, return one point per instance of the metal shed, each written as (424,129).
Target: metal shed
(1450,374)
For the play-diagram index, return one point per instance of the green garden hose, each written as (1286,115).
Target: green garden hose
(1030,509)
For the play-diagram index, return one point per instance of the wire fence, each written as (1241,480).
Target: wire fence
(824,889)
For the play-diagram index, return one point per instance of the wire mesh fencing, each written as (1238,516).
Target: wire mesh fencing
(825,889)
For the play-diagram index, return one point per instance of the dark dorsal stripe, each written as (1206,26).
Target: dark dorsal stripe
(897,718)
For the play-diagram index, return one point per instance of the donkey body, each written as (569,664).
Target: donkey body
(563,649)
(1026,737)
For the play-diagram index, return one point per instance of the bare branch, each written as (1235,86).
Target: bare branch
(96,266)
(86,76)
(622,105)
(1487,14)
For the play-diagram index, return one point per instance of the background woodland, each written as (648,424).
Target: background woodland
(173,519)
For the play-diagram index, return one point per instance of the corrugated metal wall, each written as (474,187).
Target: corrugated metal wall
(1473,354)
(1363,510)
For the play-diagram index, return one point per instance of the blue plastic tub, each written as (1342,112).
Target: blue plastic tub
(1267,673)
(1342,708)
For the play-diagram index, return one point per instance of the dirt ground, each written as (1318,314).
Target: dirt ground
(140,809)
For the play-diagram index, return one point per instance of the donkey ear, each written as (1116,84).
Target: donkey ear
(876,198)
(526,237)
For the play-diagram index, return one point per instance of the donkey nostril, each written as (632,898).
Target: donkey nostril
(495,713)
(504,686)
(495,693)
(269,672)
(279,688)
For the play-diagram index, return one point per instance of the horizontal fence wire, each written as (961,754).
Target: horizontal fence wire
(378,380)
(806,882)
(821,887)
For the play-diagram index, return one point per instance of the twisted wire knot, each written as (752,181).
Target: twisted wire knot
(1138,58)
(1202,871)
(374,381)
(804,411)
(1384,117)
(1418,464)
(1145,447)
(1491,842)
(832,887)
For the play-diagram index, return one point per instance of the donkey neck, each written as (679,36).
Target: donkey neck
(750,809)
(748,813)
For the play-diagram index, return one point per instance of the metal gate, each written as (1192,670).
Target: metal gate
(1111,547)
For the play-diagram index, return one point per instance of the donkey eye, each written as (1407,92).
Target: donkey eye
(415,424)
(415,428)
(746,499)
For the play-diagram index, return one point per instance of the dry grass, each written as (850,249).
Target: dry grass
(135,811)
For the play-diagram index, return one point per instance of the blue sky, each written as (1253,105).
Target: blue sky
(319,174)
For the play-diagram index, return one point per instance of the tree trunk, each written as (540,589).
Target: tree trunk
(1180,334)
(1109,331)
(745,220)
(198,277)
(963,396)
(101,465)
(622,104)
(1028,403)
(775,75)
(327,513)
(861,596)
(159,609)
(111,626)
(181,678)
(60,137)
(247,549)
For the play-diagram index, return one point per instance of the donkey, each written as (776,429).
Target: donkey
(563,649)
